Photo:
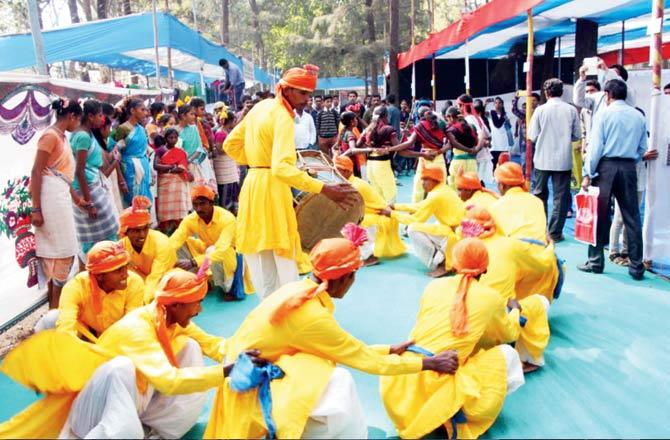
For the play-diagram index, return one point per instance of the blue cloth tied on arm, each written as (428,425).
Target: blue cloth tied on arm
(246,376)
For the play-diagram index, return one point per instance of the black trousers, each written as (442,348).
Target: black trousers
(560,182)
(617,177)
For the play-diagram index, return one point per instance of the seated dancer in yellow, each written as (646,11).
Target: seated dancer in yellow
(471,190)
(145,378)
(267,229)
(210,230)
(519,214)
(150,252)
(383,234)
(502,276)
(432,242)
(295,329)
(98,297)
(454,314)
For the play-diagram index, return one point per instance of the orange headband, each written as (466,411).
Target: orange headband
(297,78)
(510,173)
(478,223)
(136,216)
(433,172)
(470,259)
(104,256)
(343,162)
(201,189)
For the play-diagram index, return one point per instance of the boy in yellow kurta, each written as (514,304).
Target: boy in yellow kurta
(383,232)
(294,328)
(502,275)
(432,242)
(151,255)
(471,190)
(210,230)
(97,298)
(146,371)
(267,229)
(454,315)
(520,215)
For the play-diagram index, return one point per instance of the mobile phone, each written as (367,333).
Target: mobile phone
(591,64)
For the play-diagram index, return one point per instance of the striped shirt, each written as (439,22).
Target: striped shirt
(326,123)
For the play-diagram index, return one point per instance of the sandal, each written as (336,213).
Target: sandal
(614,256)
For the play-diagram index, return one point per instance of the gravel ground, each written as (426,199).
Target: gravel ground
(21,330)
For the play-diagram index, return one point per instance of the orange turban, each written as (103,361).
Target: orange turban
(433,172)
(297,78)
(136,216)
(470,259)
(177,287)
(510,173)
(331,258)
(469,180)
(104,256)
(478,223)
(201,189)
(344,163)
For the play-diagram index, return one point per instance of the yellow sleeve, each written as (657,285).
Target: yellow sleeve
(68,307)
(179,237)
(135,292)
(164,260)
(405,207)
(283,158)
(214,347)
(148,357)
(380,348)
(323,335)
(226,239)
(371,197)
(234,143)
(504,324)
(424,210)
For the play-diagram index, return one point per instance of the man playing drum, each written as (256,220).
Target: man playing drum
(267,229)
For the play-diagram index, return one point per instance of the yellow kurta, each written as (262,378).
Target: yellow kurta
(520,214)
(76,304)
(442,203)
(387,241)
(156,258)
(264,141)
(482,199)
(306,344)
(419,403)
(198,235)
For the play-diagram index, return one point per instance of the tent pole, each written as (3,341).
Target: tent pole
(623,42)
(559,57)
(169,51)
(529,92)
(36,32)
(488,88)
(157,59)
(434,84)
(467,67)
(413,82)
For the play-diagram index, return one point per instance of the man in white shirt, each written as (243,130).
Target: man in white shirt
(305,131)
(553,128)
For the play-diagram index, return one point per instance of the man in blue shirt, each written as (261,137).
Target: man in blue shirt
(234,81)
(618,140)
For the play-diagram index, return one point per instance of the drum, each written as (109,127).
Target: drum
(318,216)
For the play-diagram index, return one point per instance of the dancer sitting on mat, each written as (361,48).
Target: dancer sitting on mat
(454,315)
(295,329)
(432,241)
(471,190)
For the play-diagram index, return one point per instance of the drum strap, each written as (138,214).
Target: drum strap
(259,168)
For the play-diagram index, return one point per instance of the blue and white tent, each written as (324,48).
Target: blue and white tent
(127,43)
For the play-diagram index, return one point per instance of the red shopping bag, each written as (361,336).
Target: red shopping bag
(587,216)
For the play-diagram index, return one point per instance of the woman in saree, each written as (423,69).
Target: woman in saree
(133,147)
(198,160)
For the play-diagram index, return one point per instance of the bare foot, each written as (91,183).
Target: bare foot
(440,272)
(371,261)
(529,368)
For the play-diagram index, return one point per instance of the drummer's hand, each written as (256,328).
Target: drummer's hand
(342,193)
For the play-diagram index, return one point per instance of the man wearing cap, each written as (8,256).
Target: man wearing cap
(432,241)
(502,277)
(98,297)
(454,315)
(150,252)
(267,229)
(383,235)
(210,230)
(519,214)
(295,329)
(472,192)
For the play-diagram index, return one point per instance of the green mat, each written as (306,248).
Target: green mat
(607,371)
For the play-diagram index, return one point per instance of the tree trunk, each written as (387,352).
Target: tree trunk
(260,47)
(88,9)
(102,9)
(394,47)
(225,22)
(372,39)
(74,14)
(126,7)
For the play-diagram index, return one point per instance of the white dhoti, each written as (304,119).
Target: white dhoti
(269,271)
(515,377)
(368,248)
(47,321)
(428,248)
(339,413)
(110,405)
